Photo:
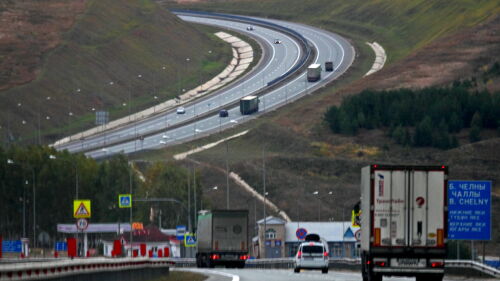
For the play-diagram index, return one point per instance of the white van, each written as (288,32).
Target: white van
(312,255)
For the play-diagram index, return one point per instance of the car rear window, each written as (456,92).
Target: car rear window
(312,249)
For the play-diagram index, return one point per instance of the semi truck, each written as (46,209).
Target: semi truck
(403,221)
(314,72)
(222,238)
(249,105)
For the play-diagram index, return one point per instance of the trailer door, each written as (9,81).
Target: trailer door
(427,208)
(390,191)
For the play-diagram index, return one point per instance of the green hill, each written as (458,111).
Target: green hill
(136,44)
(401,26)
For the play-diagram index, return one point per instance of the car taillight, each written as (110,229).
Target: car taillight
(299,254)
(381,262)
(215,257)
(325,254)
(243,257)
(436,263)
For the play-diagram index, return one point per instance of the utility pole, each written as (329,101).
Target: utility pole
(264,186)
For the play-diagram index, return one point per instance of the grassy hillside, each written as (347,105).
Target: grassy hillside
(302,155)
(401,26)
(136,44)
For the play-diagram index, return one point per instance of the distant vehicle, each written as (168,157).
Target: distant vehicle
(223,113)
(311,255)
(249,105)
(181,110)
(222,238)
(314,72)
(403,221)
(277,41)
(249,28)
(329,66)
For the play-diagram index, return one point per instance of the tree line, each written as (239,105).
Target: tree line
(426,117)
(38,186)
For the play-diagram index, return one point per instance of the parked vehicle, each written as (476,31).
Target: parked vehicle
(403,221)
(328,65)
(222,238)
(249,28)
(249,105)
(314,72)
(277,41)
(312,255)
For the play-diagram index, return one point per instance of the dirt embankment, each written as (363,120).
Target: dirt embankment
(458,56)
(29,29)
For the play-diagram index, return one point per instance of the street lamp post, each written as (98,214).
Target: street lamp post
(319,204)
(11,162)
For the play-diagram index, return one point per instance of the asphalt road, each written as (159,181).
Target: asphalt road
(288,275)
(278,59)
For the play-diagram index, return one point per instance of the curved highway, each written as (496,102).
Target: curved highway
(277,60)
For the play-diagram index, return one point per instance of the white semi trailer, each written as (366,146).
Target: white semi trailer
(403,221)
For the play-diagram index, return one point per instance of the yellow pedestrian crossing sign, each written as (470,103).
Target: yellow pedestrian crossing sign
(125,200)
(81,209)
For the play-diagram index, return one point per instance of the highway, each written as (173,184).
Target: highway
(170,128)
(222,274)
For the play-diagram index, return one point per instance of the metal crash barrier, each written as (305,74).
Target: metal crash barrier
(105,269)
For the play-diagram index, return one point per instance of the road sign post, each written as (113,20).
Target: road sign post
(81,209)
(469,210)
(189,240)
(125,200)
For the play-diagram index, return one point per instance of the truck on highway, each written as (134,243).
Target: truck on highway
(222,238)
(403,221)
(328,65)
(314,72)
(249,105)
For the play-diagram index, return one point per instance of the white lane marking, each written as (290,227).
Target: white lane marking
(233,276)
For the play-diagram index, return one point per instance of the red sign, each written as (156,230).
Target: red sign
(71,247)
(420,201)
(301,233)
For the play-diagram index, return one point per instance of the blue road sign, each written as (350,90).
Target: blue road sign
(125,200)
(12,246)
(61,246)
(189,240)
(469,210)
(180,230)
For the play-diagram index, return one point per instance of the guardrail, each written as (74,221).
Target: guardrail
(473,265)
(72,267)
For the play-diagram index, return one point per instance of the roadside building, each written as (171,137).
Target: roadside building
(282,239)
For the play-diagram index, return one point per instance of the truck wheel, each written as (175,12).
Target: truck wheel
(296,270)
(324,270)
(375,277)
(199,261)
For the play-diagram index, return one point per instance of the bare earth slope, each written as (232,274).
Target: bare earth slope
(28,30)
(59,58)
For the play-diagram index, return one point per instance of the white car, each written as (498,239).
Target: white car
(249,28)
(181,110)
(311,255)
(277,41)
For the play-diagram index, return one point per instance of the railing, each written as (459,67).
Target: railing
(473,265)
(70,267)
